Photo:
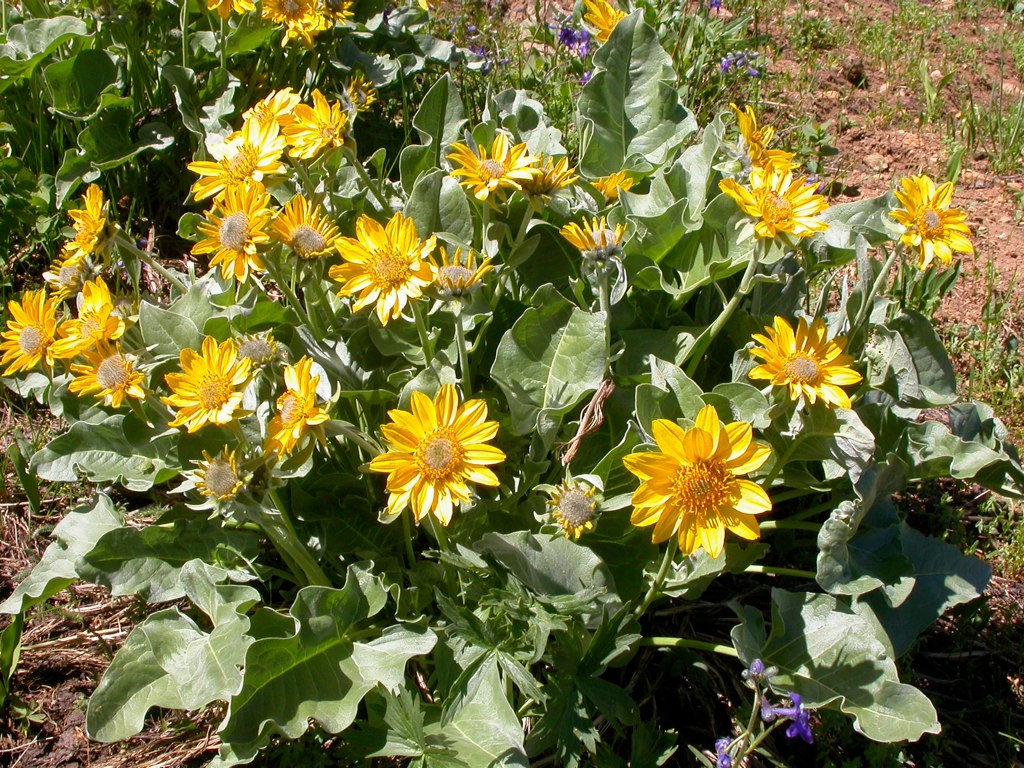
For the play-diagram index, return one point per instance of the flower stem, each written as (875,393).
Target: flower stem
(289,294)
(409,551)
(659,580)
(770,570)
(282,534)
(357,437)
(374,188)
(464,368)
(125,242)
(424,332)
(604,304)
(685,642)
(865,308)
(788,525)
(223,44)
(702,342)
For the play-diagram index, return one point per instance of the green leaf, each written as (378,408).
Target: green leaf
(438,204)
(830,656)
(548,565)
(169,661)
(671,395)
(148,562)
(75,536)
(32,41)
(438,121)
(912,363)
(167,332)
(10,652)
(629,112)
(689,578)
(104,452)
(318,671)
(551,358)
(484,730)
(942,577)
(74,84)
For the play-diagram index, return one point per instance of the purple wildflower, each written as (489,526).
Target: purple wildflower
(722,757)
(586,77)
(715,5)
(740,60)
(576,40)
(801,725)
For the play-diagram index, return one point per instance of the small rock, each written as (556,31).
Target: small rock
(855,75)
(876,162)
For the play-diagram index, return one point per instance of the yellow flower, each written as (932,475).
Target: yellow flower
(780,204)
(218,476)
(596,242)
(574,508)
(305,229)
(361,93)
(91,231)
(507,167)
(806,361)
(224,7)
(66,275)
(276,106)
(933,229)
(253,154)
(30,332)
(316,127)
(297,410)
(610,186)
(384,265)
(693,487)
(97,321)
(434,451)
(551,177)
(234,230)
(424,5)
(108,374)
(338,11)
(456,277)
(302,19)
(758,140)
(258,349)
(209,390)
(603,16)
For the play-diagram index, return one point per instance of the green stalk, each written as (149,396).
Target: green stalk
(770,570)
(685,642)
(357,437)
(423,331)
(282,534)
(183,23)
(125,242)
(865,308)
(702,342)
(407,530)
(659,580)
(788,525)
(350,155)
(464,369)
(289,294)
(605,306)
(223,44)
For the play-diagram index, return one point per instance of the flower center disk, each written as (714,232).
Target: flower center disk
(214,392)
(803,369)
(389,270)
(438,455)
(306,240)
(491,169)
(220,479)
(30,340)
(702,487)
(234,231)
(576,507)
(113,373)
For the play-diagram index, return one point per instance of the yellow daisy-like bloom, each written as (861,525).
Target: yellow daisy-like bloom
(573,508)
(209,389)
(361,93)
(302,19)
(434,451)
(806,361)
(602,16)
(254,154)
(758,139)
(316,127)
(258,349)
(297,411)
(65,276)
(596,242)
(507,167)
(30,332)
(276,106)
(458,277)
(218,476)
(934,230)
(551,177)
(108,375)
(384,265)
(225,7)
(693,487)
(338,11)
(234,229)
(305,229)
(97,322)
(610,186)
(91,231)
(780,203)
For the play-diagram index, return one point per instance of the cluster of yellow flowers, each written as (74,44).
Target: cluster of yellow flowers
(303,20)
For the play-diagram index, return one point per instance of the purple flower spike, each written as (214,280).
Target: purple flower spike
(722,758)
(801,725)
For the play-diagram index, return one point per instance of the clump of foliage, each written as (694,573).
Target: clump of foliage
(426,435)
